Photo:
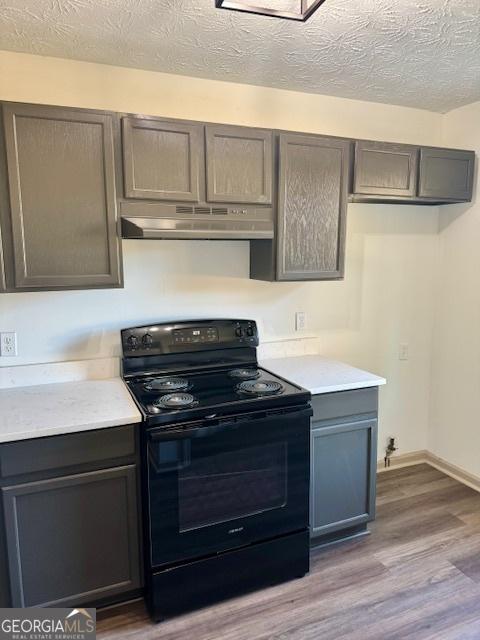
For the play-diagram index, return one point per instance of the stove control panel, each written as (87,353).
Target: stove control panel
(196,335)
(178,337)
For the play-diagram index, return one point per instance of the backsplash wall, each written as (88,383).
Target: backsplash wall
(387,295)
(385,299)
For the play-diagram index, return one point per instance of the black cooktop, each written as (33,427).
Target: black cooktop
(231,389)
(196,369)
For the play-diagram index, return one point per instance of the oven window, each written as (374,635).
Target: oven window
(230,485)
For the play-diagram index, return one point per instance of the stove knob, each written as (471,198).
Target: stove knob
(239,332)
(250,331)
(147,341)
(132,342)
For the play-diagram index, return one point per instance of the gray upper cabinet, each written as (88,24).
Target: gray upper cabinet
(312,204)
(72,539)
(163,160)
(3,281)
(4,211)
(63,217)
(239,164)
(385,169)
(446,174)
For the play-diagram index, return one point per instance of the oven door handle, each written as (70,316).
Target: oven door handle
(227,424)
(198,432)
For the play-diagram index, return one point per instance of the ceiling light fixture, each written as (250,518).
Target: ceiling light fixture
(306,8)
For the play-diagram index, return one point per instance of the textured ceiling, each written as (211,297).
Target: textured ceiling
(419,53)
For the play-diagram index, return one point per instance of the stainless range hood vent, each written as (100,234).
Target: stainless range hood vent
(201,210)
(154,220)
(183,210)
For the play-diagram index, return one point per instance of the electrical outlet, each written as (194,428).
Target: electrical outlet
(8,344)
(403,351)
(300,320)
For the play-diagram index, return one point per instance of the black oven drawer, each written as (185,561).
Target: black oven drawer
(221,485)
(197,584)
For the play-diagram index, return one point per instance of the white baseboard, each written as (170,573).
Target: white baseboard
(453,471)
(403,460)
(426,457)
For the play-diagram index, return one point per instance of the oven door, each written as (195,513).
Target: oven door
(219,484)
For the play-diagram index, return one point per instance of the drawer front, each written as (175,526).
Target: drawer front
(65,451)
(340,404)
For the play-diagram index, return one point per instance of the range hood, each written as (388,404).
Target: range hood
(153,220)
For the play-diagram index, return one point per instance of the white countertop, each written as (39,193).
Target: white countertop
(67,407)
(83,405)
(322,375)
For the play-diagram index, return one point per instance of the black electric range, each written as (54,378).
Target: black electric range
(184,395)
(225,463)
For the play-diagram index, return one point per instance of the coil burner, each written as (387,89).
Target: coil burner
(260,387)
(175,401)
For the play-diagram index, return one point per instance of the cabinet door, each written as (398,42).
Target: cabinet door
(343,475)
(3,282)
(446,174)
(73,539)
(382,168)
(239,165)
(162,160)
(5,220)
(62,197)
(313,187)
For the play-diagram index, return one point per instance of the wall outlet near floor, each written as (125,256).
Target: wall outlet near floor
(403,351)
(8,344)
(300,320)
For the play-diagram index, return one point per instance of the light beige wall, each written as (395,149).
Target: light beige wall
(81,84)
(455,400)
(385,299)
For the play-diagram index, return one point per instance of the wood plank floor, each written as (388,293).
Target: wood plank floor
(416,577)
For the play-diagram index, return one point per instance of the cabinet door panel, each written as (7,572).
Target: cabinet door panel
(73,539)
(3,282)
(239,165)
(162,160)
(446,174)
(313,188)
(6,257)
(382,168)
(342,476)
(62,197)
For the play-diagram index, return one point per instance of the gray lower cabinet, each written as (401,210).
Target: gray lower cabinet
(312,207)
(163,160)
(69,538)
(70,519)
(62,221)
(343,463)
(446,174)
(239,164)
(382,168)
